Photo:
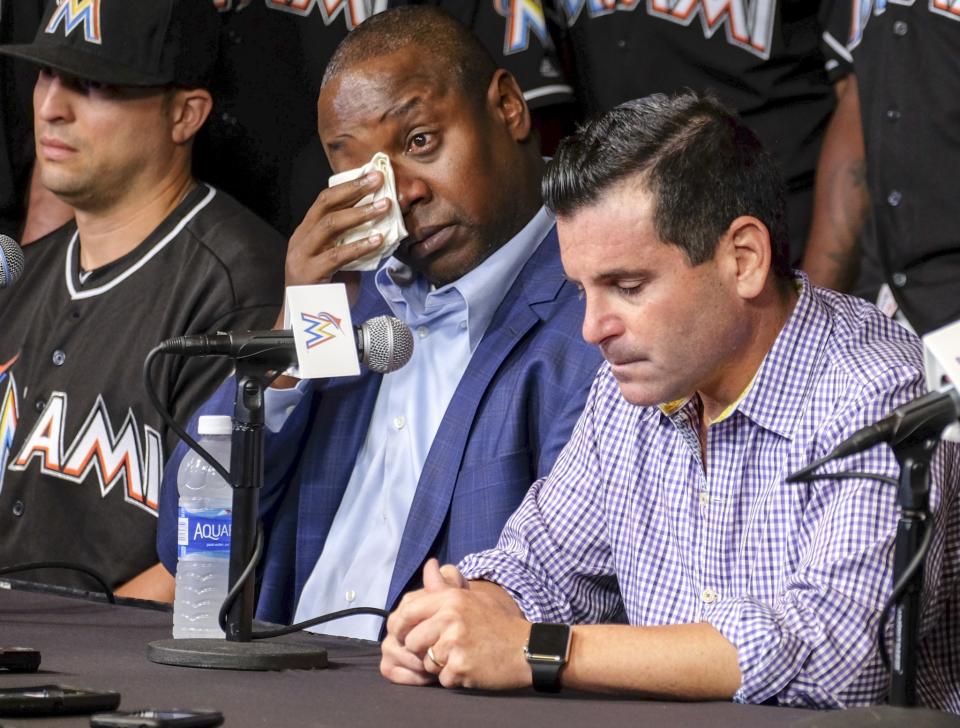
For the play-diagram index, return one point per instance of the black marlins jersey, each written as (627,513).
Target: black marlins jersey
(906,56)
(762,57)
(261,141)
(81,448)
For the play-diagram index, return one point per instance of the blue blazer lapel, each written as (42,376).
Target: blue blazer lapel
(539,282)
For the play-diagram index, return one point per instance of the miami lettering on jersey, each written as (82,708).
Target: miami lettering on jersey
(863,10)
(72,14)
(523,17)
(748,24)
(114,458)
(354,11)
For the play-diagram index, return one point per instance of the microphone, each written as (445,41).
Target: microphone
(384,344)
(11,261)
(919,419)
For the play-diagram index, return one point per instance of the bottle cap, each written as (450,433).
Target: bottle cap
(215,425)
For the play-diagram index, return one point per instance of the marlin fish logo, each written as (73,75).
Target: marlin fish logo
(320,328)
(74,13)
(8,413)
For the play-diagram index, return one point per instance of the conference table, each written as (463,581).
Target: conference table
(86,642)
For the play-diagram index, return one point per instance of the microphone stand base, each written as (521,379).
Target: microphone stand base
(219,654)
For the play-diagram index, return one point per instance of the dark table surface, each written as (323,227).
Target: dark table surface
(95,645)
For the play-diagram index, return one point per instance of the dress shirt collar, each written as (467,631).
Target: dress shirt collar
(482,289)
(775,395)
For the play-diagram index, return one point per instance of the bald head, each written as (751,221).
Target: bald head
(443,44)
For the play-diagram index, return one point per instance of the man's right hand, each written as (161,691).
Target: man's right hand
(312,253)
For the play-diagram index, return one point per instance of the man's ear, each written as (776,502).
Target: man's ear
(189,109)
(746,244)
(505,101)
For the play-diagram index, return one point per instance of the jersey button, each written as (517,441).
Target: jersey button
(18,508)
(39,405)
(59,357)
(899,279)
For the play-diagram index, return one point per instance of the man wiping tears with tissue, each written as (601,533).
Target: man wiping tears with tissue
(438,204)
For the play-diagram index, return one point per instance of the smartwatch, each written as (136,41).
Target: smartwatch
(547,651)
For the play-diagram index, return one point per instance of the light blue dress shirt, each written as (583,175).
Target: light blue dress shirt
(359,555)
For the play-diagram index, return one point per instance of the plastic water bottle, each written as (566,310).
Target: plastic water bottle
(203,535)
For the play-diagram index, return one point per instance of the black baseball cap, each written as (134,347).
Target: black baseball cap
(127,42)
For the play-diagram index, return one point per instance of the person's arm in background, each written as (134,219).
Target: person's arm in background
(841,199)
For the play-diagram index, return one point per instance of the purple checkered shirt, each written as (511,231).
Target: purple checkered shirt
(629,527)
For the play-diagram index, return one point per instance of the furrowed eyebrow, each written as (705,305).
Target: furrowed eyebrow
(403,109)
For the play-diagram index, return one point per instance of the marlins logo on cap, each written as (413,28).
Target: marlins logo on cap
(73,13)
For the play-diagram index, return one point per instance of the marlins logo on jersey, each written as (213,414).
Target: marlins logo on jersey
(73,14)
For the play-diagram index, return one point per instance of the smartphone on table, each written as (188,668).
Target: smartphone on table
(157,719)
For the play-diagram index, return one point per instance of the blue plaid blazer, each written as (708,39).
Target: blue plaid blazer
(511,414)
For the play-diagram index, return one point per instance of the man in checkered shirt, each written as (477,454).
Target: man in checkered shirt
(668,509)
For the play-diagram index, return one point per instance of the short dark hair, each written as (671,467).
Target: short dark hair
(702,164)
(433,32)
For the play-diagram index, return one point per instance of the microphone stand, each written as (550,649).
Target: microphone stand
(239,651)
(913,496)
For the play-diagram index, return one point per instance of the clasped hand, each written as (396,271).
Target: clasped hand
(460,633)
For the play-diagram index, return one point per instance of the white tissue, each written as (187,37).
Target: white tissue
(390,226)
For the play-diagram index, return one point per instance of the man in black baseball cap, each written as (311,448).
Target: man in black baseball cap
(127,42)
(152,253)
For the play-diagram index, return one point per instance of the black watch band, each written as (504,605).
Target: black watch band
(546,652)
(546,676)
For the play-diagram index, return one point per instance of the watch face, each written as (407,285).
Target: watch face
(549,640)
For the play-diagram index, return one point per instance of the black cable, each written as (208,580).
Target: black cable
(92,573)
(843,475)
(171,423)
(267,634)
(241,580)
(899,588)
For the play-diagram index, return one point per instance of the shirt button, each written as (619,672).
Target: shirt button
(399,422)
(58,358)
(39,405)
(893,199)
(18,508)
(463,325)
(900,28)
(704,499)
(350,596)
(422,331)
(621,44)
(899,279)
(708,596)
